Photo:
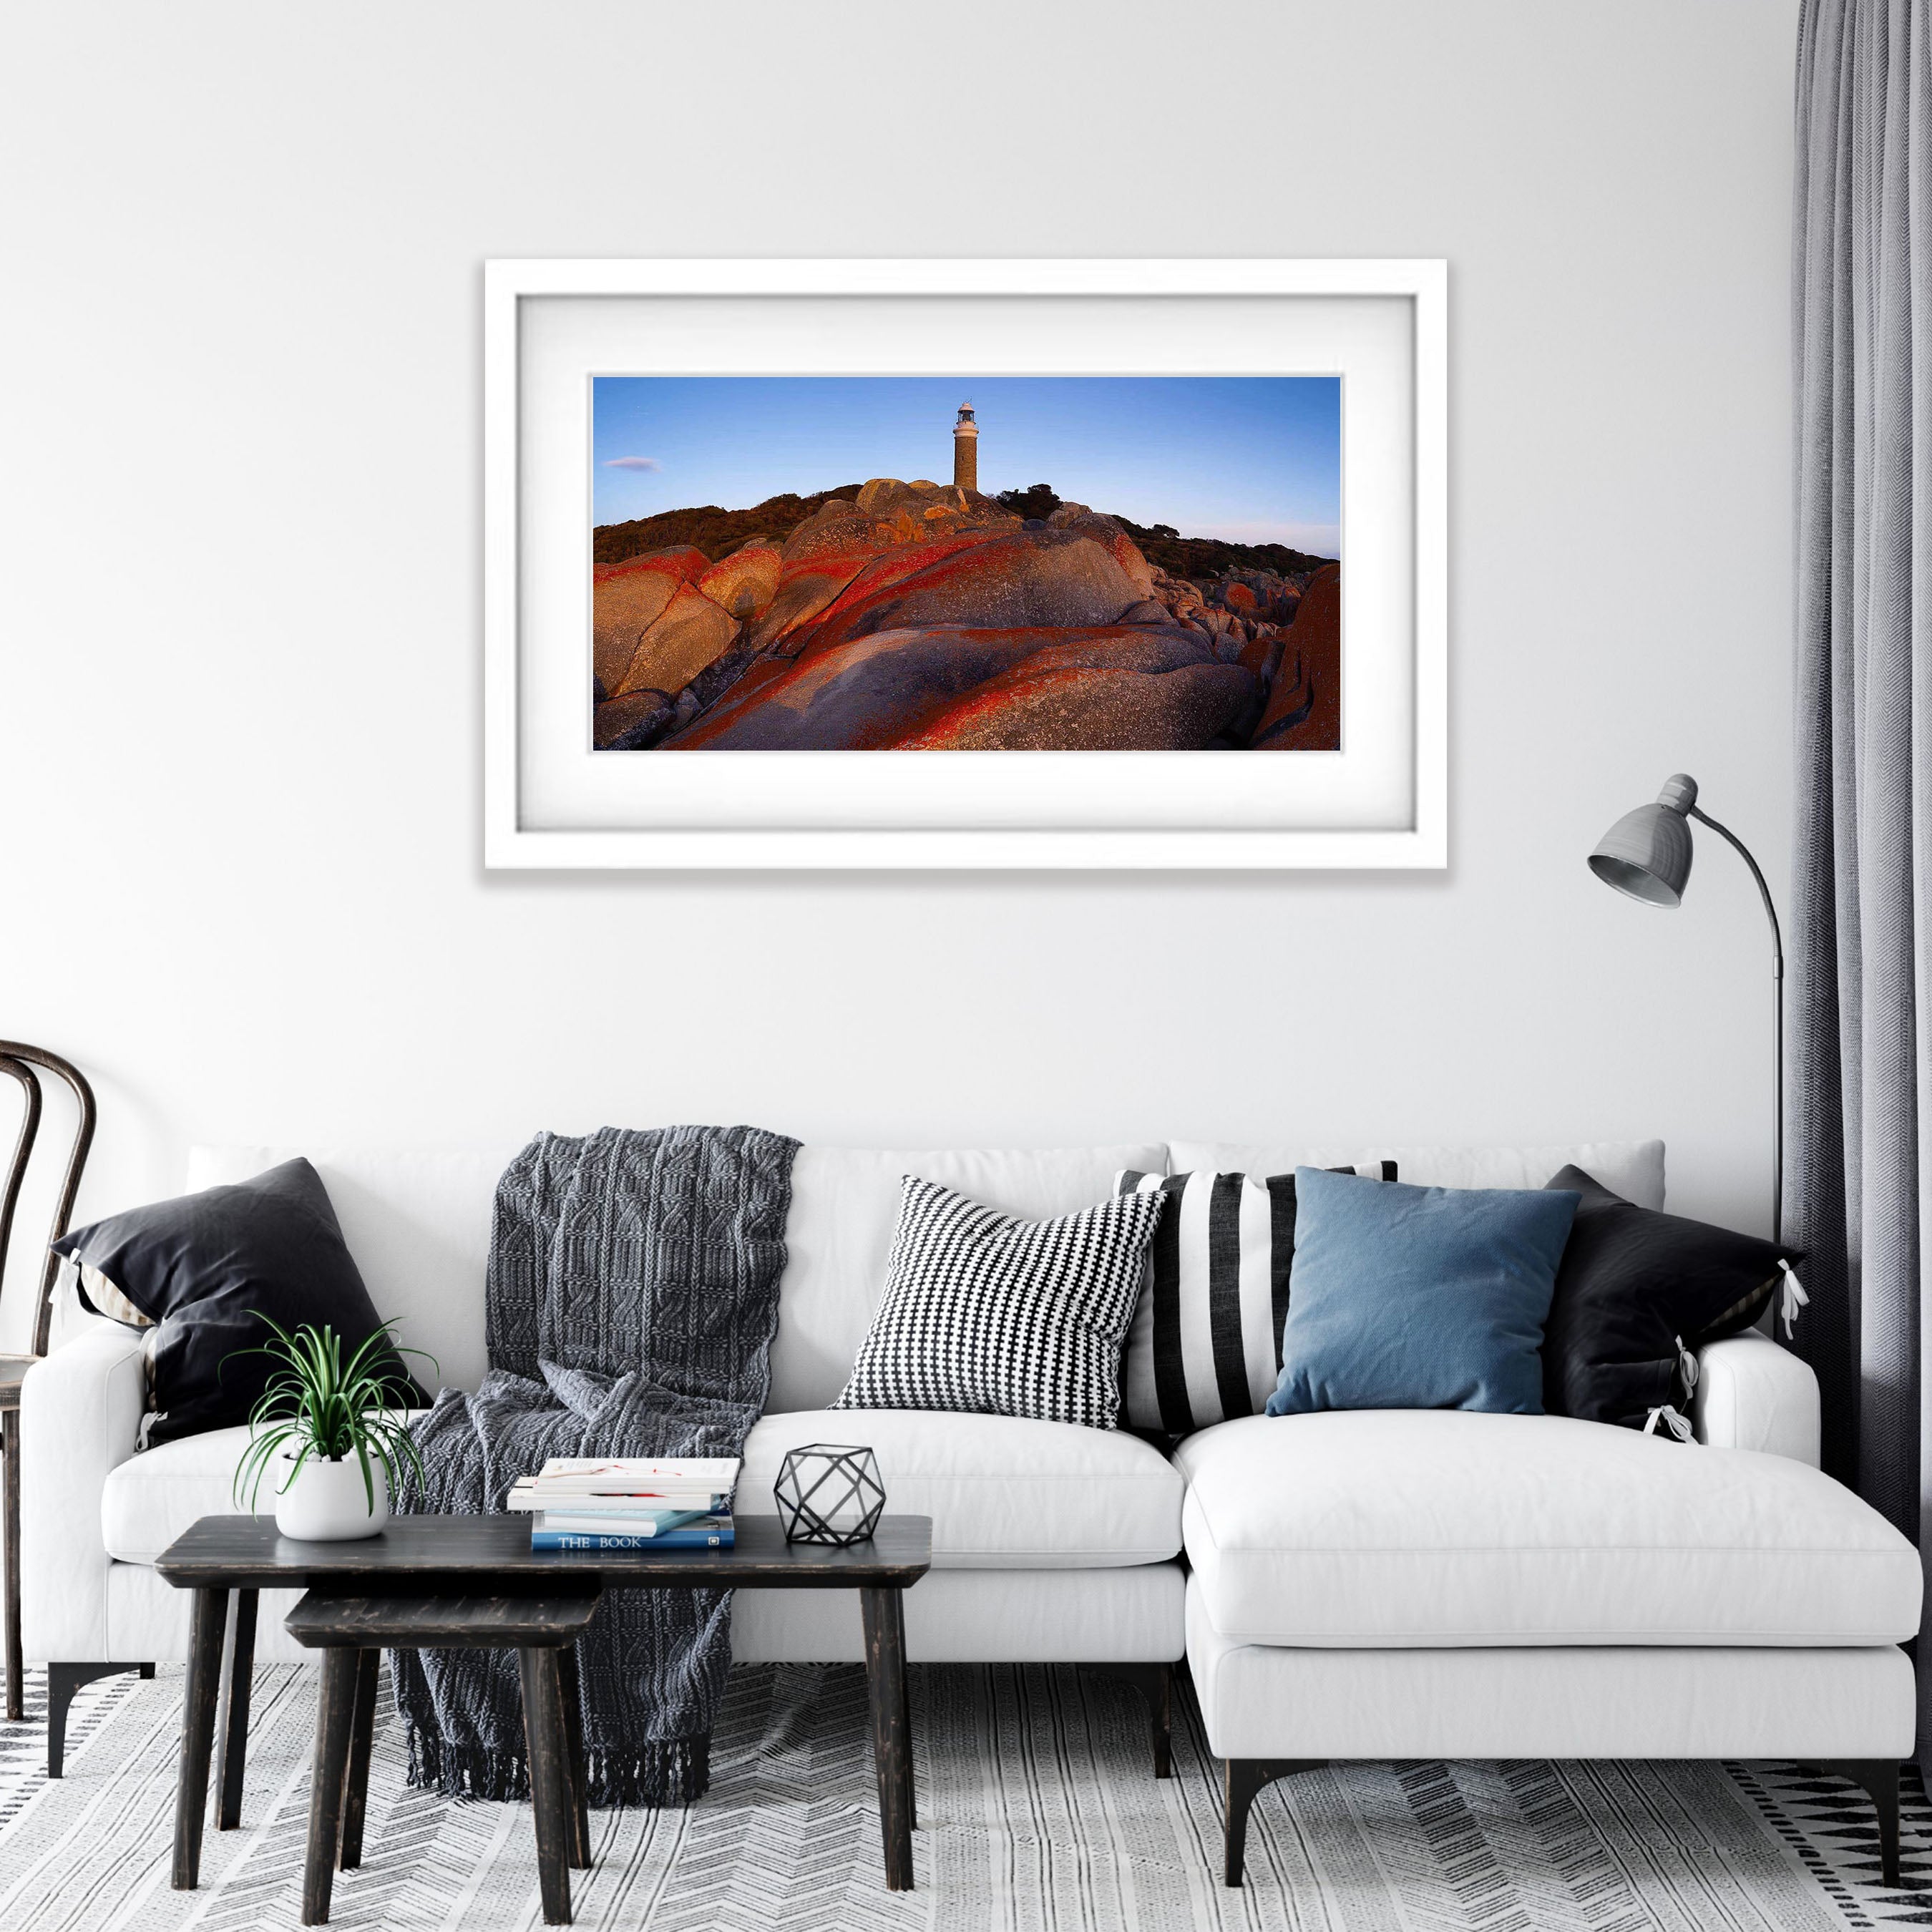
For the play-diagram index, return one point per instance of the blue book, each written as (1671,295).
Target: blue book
(723,1537)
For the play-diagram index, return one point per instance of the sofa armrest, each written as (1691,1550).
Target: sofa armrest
(80,1414)
(1752,1394)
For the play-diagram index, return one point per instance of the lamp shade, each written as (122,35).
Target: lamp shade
(1647,853)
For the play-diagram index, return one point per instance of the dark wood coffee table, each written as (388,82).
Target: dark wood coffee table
(490,1556)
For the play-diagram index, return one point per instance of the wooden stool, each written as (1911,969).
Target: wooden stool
(349,1630)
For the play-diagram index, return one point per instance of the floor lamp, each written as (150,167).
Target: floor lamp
(1647,854)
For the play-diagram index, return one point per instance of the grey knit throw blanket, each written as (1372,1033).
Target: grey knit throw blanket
(633,1294)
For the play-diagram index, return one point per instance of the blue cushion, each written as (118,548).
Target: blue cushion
(1418,1297)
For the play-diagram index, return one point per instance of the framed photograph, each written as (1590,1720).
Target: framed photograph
(965,564)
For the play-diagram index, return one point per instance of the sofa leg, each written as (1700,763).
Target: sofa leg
(1243,1781)
(1879,1777)
(1155,1682)
(63,1681)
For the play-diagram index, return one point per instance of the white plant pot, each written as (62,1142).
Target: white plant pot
(326,1502)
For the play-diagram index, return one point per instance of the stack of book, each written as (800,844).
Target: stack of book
(622,1502)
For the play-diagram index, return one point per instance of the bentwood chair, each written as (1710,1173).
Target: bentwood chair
(18,1061)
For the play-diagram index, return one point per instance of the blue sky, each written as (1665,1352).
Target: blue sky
(1253,459)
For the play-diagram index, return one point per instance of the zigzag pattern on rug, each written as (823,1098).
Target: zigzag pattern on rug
(1036,1810)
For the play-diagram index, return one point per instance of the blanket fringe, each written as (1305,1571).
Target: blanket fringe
(675,1772)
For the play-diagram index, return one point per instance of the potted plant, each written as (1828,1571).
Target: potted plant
(327,1431)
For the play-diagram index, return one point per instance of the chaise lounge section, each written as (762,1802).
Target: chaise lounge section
(1432,1584)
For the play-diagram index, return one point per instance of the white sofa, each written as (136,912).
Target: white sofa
(1375,1585)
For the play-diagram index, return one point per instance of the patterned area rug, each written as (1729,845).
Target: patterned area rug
(1037,1814)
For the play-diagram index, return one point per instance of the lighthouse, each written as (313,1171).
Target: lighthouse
(965,450)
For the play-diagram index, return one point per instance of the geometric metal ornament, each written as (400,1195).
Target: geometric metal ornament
(829,1492)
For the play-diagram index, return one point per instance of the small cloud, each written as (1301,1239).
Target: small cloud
(634,463)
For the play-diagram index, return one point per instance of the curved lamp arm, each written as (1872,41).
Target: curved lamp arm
(1743,851)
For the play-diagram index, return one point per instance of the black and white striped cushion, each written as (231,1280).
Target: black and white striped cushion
(988,1313)
(1205,1341)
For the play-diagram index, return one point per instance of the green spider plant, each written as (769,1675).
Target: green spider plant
(323,1408)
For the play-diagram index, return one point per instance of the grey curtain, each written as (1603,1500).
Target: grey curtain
(1861,1086)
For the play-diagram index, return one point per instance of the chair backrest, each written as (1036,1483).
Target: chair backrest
(19,1059)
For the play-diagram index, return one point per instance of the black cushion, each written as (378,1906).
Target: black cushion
(203,1267)
(1632,1285)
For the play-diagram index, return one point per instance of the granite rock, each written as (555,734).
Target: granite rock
(743,584)
(627,598)
(692,633)
(1304,708)
(887,689)
(631,723)
(1022,579)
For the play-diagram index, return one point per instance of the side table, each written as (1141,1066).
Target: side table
(353,1631)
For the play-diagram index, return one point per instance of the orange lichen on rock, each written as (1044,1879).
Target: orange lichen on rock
(997,582)
(893,528)
(926,616)
(889,688)
(612,720)
(805,589)
(627,598)
(857,696)
(1080,521)
(1304,709)
(743,584)
(819,558)
(692,633)
(1092,709)
(1261,654)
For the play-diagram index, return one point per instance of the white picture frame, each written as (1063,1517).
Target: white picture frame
(550,802)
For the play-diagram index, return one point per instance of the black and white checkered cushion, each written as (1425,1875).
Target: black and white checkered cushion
(988,1313)
(1205,1342)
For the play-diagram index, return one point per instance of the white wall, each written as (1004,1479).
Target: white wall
(238,593)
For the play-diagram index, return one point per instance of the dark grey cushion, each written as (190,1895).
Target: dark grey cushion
(1633,1286)
(204,1266)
